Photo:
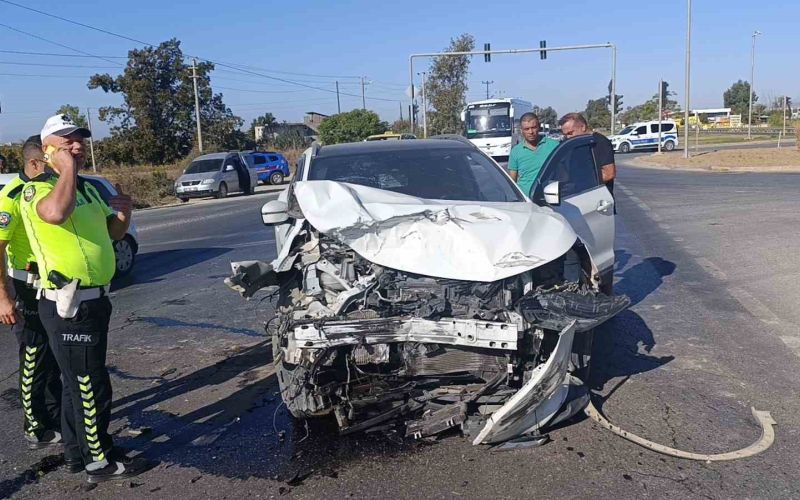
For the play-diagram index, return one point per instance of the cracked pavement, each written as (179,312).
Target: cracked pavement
(707,259)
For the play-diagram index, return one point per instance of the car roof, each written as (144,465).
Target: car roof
(213,156)
(6,178)
(351,148)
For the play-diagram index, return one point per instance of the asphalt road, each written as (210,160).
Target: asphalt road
(709,261)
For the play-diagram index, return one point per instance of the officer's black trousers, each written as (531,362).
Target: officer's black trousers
(79,345)
(39,376)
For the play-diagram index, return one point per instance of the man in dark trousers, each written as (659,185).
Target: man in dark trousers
(70,228)
(573,125)
(39,376)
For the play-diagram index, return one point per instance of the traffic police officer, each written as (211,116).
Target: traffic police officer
(39,376)
(70,228)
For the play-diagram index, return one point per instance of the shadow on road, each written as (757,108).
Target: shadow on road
(642,279)
(622,346)
(249,433)
(151,267)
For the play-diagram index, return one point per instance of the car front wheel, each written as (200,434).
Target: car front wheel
(125,255)
(223,191)
(625,148)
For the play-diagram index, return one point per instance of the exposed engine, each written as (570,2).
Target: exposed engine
(374,346)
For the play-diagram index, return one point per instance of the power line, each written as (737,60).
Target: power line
(55,65)
(54,54)
(44,76)
(56,43)
(111,33)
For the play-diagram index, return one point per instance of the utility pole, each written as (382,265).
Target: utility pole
(424,107)
(784,116)
(363,98)
(197,106)
(338,103)
(660,110)
(401,111)
(688,74)
(752,78)
(487,83)
(91,137)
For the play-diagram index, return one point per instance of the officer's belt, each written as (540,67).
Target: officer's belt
(18,274)
(84,294)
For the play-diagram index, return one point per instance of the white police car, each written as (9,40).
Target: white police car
(644,135)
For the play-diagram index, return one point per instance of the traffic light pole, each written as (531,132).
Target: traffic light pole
(525,51)
(660,111)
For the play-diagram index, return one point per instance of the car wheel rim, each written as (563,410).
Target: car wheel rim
(124,255)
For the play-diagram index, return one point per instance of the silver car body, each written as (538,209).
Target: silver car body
(190,185)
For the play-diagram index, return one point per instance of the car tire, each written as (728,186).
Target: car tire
(222,192)
(124,256)
(624,148)
(184,200)
(669,146)
(276,178)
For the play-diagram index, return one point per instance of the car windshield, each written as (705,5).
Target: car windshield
(440,174)
(626,130)
(204,166)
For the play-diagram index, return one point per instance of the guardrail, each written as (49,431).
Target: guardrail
(737,131)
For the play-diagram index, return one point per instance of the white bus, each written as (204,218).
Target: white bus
(492,124)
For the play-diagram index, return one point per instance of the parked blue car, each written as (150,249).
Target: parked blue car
(270,167)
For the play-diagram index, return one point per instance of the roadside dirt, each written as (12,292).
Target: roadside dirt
(732,160)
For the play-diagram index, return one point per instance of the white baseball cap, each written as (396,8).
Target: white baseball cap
(62,126)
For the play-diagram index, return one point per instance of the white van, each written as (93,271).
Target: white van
(644,135)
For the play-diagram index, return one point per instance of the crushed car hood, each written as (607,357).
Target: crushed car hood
(447,239)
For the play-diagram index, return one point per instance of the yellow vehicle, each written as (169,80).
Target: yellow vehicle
(389,136)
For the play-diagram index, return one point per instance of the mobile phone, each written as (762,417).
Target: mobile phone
(48,154)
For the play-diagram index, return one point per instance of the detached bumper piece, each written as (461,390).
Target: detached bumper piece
(251,276)
(556,310)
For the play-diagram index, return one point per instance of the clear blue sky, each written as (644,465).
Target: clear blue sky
(352,38)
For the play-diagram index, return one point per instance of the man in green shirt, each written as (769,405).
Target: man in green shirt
(39,376)
(70,228)
(528,157)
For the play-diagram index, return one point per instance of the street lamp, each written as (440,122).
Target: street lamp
(752,77)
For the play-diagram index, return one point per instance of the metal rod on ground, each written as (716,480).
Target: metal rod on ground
(91,138)
(338,102)
(197,106)
(687,76)
(660,111)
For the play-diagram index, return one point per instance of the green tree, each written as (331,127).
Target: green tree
(290,139)
(547,116)
(401,126)
(12,156)
(597,113)
(156,123)
(74,113)
(352,126)
(737,97)
(446,87)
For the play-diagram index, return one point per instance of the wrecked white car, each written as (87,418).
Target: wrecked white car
(418,286)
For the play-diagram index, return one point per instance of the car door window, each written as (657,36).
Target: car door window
(641,130)
(654,128)
(273,158)
(259,160)
(574,168)
(667,127)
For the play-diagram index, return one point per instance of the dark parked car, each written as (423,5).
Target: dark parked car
(271,167)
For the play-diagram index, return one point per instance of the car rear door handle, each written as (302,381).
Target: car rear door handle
(604,206)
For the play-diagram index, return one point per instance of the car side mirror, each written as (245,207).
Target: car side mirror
(274,212)
(552,194)
(229,168)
